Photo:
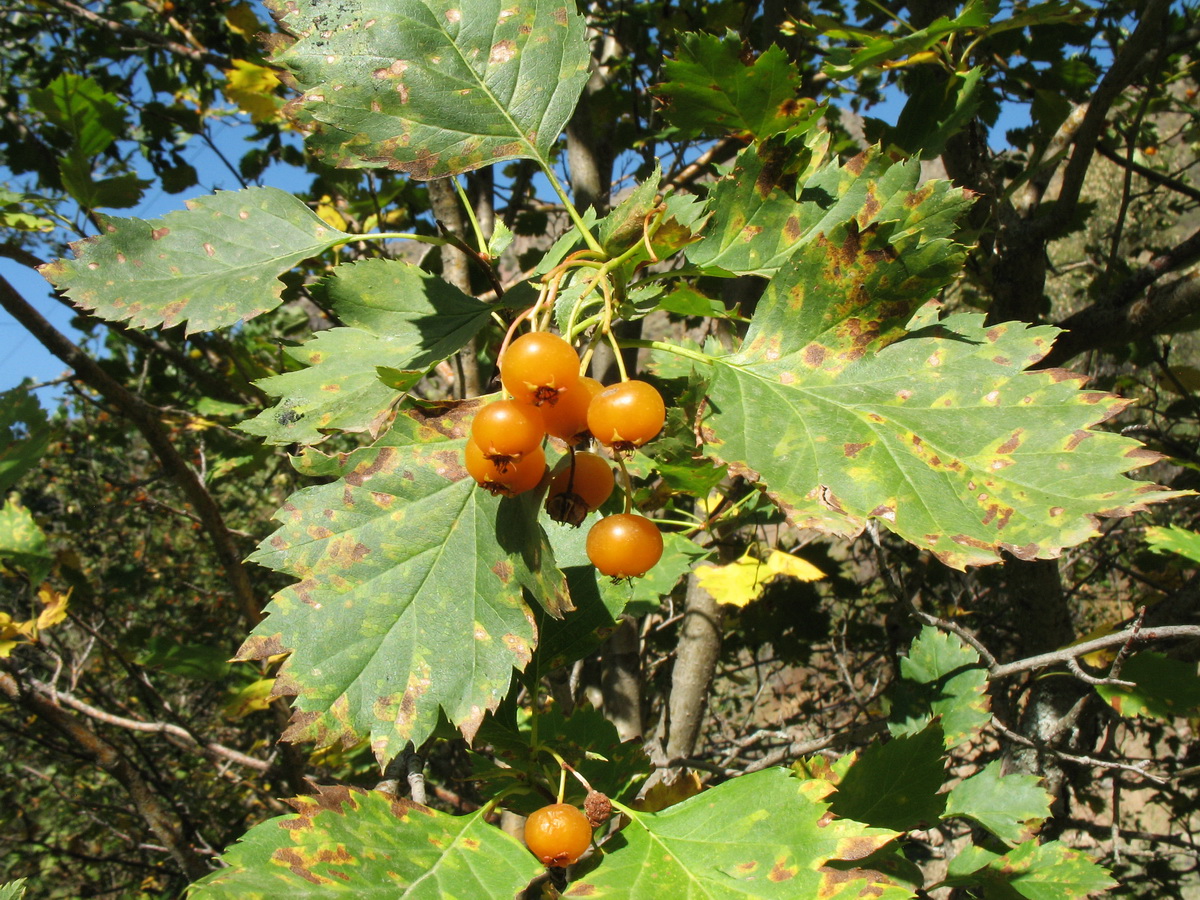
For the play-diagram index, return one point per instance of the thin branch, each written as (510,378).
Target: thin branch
(153,811)
(212,748)
(1058,657)
(1149,174)
(204,56)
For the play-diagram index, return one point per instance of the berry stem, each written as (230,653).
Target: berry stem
(628,483)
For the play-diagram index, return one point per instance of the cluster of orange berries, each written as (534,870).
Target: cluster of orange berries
(540,373)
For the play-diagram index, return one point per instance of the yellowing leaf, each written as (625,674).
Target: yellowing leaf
(737,583)
(663,795)
(329,214)
(780,563)
(252,87)
(55,606)
(254,697)
(240,18)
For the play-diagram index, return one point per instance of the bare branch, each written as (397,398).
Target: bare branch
(1057,657)
(211,748)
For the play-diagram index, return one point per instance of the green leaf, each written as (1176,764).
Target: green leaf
(23,543)
(433,87)
(410,593)
(24,435)
(12,890)
(711,89)
(1012,807)
(347,843)
(1172,539)
(1033,871)
(941,436)
(93,117)
(767,834)
(1165,688)
(400,318)
(117,192)
(586,740)
(213,265)
(879,48)
(940,677)
(936,113)
(13,214)
(200,661)
(895,785)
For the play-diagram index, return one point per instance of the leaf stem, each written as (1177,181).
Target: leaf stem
(696,355)
(588,237)
(466,202)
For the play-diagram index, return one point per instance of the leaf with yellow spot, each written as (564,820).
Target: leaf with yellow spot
(941,435)
(739,582)
(344,842)
(768,834)
(23,546)
(253,88)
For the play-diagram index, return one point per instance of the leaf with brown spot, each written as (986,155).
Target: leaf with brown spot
(765,835)
(394,586)
(375,79)
(763,213)
(1016,463)
(149,274)
(364,845)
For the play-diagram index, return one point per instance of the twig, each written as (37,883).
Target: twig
(1135,768)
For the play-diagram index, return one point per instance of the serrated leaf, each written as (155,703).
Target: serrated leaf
(90,192)
(213,265)
(399,318)
(1012,807)
(433,87)
(895,785)
(24,435)
(1036,872)
(410,593)
(764,211)
(12,890)
(943,436)
(767,834)
(344,842)
(713,90)
(940,677)
(1164,688)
